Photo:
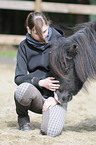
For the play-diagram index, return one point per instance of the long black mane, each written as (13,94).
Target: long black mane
(82,57)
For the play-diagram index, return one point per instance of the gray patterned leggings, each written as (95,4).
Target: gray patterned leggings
(28,97)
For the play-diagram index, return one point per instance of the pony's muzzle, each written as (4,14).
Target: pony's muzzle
(62,97)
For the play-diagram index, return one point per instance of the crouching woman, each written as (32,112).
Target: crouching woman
(36,85)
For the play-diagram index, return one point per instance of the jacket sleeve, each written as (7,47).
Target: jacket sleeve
(21,72)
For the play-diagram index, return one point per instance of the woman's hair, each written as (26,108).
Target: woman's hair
(37,19)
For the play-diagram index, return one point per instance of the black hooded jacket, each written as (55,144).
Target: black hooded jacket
(33,61)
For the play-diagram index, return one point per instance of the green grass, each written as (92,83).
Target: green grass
(10,53)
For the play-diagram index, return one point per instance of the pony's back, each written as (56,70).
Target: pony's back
(89,25)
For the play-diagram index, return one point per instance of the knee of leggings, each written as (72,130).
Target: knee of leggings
(21,94)
(53,121)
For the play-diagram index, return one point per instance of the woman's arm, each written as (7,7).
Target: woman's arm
(21,72)
(21,66)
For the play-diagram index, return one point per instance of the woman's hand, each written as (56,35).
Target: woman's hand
(49,83)
(49,103)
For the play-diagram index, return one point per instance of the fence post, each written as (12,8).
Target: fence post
(38,5)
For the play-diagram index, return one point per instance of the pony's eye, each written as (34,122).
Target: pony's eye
(66,70)
(68,57)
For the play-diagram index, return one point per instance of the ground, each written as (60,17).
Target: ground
(79,128)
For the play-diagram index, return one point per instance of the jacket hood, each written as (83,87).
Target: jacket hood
(41,45)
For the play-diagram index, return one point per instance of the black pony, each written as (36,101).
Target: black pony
(73,60)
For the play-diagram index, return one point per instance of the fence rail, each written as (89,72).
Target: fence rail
(11,39)
(38,5)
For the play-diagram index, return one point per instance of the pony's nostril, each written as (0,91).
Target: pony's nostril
(64,99)
(69,97)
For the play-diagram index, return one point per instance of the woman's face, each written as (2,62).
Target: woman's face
(44,32)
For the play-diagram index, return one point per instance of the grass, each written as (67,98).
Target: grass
(8,53)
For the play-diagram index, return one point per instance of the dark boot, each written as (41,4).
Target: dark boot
(24,123)
(23,118)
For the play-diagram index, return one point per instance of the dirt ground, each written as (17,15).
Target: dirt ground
(79,128)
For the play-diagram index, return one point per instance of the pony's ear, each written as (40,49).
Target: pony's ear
(72,52)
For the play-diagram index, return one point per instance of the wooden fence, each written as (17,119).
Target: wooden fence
(39,5)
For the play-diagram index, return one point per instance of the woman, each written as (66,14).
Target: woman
(36,85)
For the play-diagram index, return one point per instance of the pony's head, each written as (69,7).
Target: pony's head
(73,60)
(63,68)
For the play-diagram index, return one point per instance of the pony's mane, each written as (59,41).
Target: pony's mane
(58,59)
(85,60)
(84,39)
